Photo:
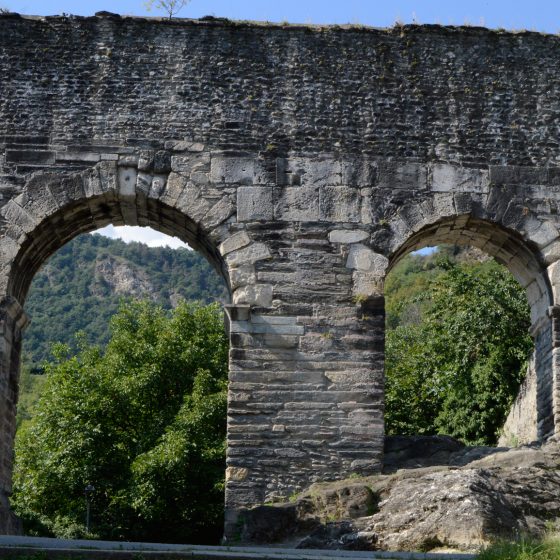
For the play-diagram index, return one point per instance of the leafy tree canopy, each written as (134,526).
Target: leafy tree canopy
(457,350)
(143,422)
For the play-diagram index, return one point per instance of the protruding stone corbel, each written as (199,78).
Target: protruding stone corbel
(11,309)
(234,314)
(553,312)
(238,312)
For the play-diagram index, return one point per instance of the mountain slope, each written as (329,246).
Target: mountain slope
(81,286)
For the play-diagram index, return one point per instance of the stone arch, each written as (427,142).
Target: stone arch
(532,416)
(54,207)
(506,246)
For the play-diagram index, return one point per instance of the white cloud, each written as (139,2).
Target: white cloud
(146,235)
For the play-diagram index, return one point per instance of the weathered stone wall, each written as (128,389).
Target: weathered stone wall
(521,423)
(303,162)
(465,95)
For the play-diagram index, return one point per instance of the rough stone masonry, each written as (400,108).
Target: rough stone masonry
(303,162)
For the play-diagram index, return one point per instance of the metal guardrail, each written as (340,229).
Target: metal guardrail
(27,546)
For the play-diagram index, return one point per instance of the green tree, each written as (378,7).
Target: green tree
(30,390)
(143,422)
(457,369)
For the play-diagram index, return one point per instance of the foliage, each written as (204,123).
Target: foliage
(71,292)
(455,366)
(30,389)
(547,549)
(172,7)
(143,422)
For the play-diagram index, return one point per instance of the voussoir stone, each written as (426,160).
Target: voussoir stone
(364,259)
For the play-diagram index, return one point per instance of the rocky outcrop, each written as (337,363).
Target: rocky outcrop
(121,278)
(406,452)
(480,495)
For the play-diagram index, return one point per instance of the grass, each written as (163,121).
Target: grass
(547,549)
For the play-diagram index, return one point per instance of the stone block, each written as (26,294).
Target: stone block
(256,294)
(364,259)
(158,186)
(86,157)
(407,176)
(129,160)
(108,177)
(192,203)
(297,204)
(242,276)
(219,212)
(323,171)
(238,312)
(237,474)
(339,204)
(444,205)
(143,183)
(455,179)
(248,255)
(540,232)
(254,204)
(517,175)
(162,162)
(146,160)
(359,173)
(273,320)
(15,215)
(174,187)
(236,170)
(127,182)
(366,213)
(236,241)
(262,328)
(187,163)
(92,183)
(9,249)
(281,341)
(33,157)
(188,146)
(367,283)
(347,236)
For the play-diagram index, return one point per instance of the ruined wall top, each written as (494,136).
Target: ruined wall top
(464,95)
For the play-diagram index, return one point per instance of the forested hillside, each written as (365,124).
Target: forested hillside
(81,286)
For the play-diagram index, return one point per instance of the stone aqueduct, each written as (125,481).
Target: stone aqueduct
(303,162)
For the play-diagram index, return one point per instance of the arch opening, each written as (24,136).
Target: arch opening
(39,239)
(531,416)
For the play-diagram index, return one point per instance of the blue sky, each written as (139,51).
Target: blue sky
(538,15)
